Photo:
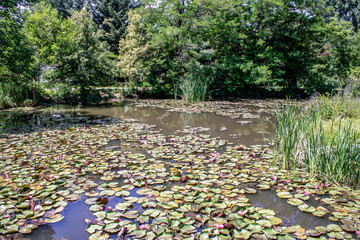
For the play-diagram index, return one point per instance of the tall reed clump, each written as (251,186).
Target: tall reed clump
(335,155)
(194,88)
(289,129)
(302,140)
(14,94)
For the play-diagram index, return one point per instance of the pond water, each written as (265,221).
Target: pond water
(170,125)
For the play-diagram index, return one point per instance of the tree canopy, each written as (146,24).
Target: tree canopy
(232,48)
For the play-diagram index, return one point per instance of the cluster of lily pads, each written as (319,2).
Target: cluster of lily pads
(233,109)
(183,186)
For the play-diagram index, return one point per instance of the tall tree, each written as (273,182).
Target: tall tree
(15,55)
(64,7)
(43,29)
(111,17)
(87,64)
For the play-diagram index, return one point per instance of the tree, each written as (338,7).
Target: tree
(133,47)
(348,10)
(15,55)
(111,17)
(43,29)
(64,7)
(88,63)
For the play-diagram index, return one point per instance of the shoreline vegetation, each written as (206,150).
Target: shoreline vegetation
(322,137)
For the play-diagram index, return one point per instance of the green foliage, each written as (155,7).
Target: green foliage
(111,17)
(302,142)
(87,63)
(289,128)
(348,10)
(338,106)
(65,7)
(13,94)
(269,45)
(132,48)
(15,55)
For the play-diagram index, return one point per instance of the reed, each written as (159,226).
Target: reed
(14,94)
(194,88)
(328,148)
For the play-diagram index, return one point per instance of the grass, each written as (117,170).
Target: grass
(308,137)
(14,94)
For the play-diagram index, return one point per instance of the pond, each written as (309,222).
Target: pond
(159,170)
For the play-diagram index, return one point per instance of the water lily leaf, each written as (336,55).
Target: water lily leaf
(107,193)
(111,215)
(96,207)
(170,205)
(263,186)
(176,215)
(250,190)
(111,228)
(255,228)
(157,229)
(264,223)
(122,193)
(100,215)
(131,199)
(284,195)
(238,223)
(204,236)
(165,236)
(130,227)
(348,228)
(150,236)
(274,220)
(123,206)
(243,234)
(11,228)
(187,229)
(294,201)
(54,219)
(286,237)
(27,228)
(319,213)
(333,227)
(138,234)
(131,214)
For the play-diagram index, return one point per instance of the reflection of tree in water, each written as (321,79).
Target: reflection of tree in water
(44,232)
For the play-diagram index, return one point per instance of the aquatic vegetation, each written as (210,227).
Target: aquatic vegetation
(343,106)
(13,94)
(303,143)
(154,186)
(194,88)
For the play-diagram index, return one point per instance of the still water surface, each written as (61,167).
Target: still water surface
(238,131)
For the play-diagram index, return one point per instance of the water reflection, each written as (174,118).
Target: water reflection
(72,227)
(291,215)
(169,122)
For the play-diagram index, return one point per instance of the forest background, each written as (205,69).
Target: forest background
(69,50)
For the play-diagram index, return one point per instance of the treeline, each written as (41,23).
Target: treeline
(196,49)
